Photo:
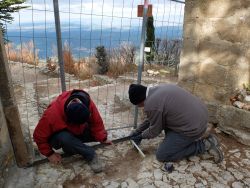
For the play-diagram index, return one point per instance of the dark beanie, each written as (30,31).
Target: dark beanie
(77,113)
(137,93)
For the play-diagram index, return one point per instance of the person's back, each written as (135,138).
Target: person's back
(181,111)
(69,121)
(181,115)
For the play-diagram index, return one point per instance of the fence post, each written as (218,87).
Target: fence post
(141,59)
(59,44)
(11,110)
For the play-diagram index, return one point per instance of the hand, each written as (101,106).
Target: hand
(55,158)
(109,142)
(137,139)
(134,133)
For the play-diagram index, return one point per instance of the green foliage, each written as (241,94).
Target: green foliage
(150,40)
(246,87)
(101,56)
(6,8)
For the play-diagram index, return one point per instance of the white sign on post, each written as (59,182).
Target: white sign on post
(147,49)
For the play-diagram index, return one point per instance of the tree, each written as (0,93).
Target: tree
(101,56)
(157,45)
(6,8)
(150,40)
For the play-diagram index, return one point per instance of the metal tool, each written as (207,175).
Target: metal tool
(140,151)
(64,155)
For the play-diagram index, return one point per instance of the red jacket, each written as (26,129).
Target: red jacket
(54,120)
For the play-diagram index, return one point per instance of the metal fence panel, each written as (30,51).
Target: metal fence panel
(86,25)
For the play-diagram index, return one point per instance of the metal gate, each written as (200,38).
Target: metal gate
(54,47)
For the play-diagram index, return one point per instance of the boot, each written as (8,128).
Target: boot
(96,164)
(212,146)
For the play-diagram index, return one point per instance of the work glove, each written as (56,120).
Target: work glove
(134,133)
(137,139)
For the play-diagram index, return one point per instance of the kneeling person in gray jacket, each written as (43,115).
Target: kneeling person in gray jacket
(181,115)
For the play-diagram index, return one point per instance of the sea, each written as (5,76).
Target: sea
(83,41)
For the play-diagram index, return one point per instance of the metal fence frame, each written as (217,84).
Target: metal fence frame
(61,63)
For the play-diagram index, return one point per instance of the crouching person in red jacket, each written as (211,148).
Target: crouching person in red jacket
(69,121)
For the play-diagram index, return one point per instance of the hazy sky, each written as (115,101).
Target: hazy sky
(104,13)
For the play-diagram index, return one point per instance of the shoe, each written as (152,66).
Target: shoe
(213,139)
(96,164)
(167,167)
(212,146)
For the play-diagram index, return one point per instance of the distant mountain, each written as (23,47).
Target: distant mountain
(83,40)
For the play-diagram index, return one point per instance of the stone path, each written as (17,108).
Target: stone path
(124,167)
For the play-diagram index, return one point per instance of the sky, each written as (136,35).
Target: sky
(96,13)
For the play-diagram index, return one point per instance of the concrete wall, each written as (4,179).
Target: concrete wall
(215,60)
(6,154)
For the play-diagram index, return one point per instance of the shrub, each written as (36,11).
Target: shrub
(83,68)
(101,57)
(86,68)
(150,39)
(25,54)
(69,62)
(122,59)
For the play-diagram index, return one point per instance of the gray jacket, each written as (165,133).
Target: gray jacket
(168,106)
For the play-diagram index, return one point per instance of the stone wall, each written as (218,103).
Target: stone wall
(216,53)
(6,154)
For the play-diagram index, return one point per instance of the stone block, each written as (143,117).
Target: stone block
(188,73)
(215,8)
(238,74)
(187,85)
(189,51)
(212,112)
(212,73)
(232,32)
(212,93)
(223,53)
(204,91)
(247,55)
(209,19)
(192,29)
(207,29)
(189,65)
(235,122)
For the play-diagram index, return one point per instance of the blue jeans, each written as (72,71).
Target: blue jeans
(73,144)
(176,146)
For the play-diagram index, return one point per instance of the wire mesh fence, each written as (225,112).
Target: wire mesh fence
(101,41)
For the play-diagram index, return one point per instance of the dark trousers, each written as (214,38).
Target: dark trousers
(176,146)
(72,144)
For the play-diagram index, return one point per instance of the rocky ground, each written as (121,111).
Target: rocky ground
(124,167)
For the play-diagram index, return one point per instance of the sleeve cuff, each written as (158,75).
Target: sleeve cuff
(50,153)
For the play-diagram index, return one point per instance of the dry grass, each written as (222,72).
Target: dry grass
(69,62)
(86,68)
(122,60)
(25,54)
(83,68)
(117,68)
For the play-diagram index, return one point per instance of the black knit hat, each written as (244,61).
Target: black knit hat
(137,93)
(77,112)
